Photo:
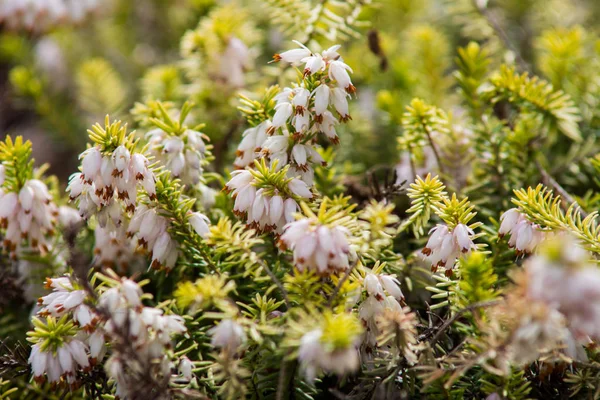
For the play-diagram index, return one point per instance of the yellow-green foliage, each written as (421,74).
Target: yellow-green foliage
(477,280)
(532,94)
(100,89)
(543,207)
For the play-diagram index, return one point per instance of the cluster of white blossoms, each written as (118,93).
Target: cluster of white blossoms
(76,334)
(251,145)
(445,246)
(58,364)
(525,236)
(183,154)
(66,299)
(151,230)
(144,325)
(68,340)
(41,15)
(228,335)
(108,177)
(113,248)
(317,247)
(266,206)
(28,216)
(301,113)
(565,279)
(383,292)
(145,329)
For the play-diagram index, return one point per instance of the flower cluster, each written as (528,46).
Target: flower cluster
(60,348)
(266,197)
(62,361)
(75,333)
(134,327)
(331,347)
(317,247)
(539,329)
(41,15)
(383,292)
(181,153)
(525,236)
(66,299)
(113,248)
(445,246)
(563,277)
(151,230)
(29,215)
(68,302)
(523,329)
(328,61)
(110,170)
(301,112)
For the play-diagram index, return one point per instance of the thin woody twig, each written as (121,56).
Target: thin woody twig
(548,180)
(435,152)
(459,314)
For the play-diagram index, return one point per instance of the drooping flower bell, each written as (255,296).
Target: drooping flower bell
(445,246)
(525,236)
(323,249)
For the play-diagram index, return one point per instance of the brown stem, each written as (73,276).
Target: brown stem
(548,180)
(459,314)
(435,152)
